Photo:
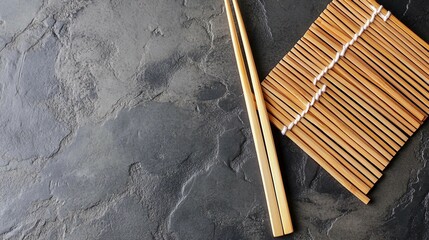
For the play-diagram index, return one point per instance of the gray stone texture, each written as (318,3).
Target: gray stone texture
(124,119)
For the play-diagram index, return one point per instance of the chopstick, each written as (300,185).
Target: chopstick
(275,195)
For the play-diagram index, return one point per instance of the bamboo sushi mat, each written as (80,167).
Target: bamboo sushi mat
(352,91)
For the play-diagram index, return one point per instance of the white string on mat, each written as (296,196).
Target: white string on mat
(354,39)
(318,94)
(309,105)
(384,17)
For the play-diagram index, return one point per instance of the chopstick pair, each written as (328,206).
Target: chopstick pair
(275,195)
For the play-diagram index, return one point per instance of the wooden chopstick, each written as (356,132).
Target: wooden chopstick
(274,189)
(266,127)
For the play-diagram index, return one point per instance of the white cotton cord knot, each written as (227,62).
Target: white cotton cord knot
(385,17)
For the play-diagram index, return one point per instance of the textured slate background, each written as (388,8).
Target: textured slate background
(124,119)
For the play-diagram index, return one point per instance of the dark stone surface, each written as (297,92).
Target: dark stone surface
(124,119)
